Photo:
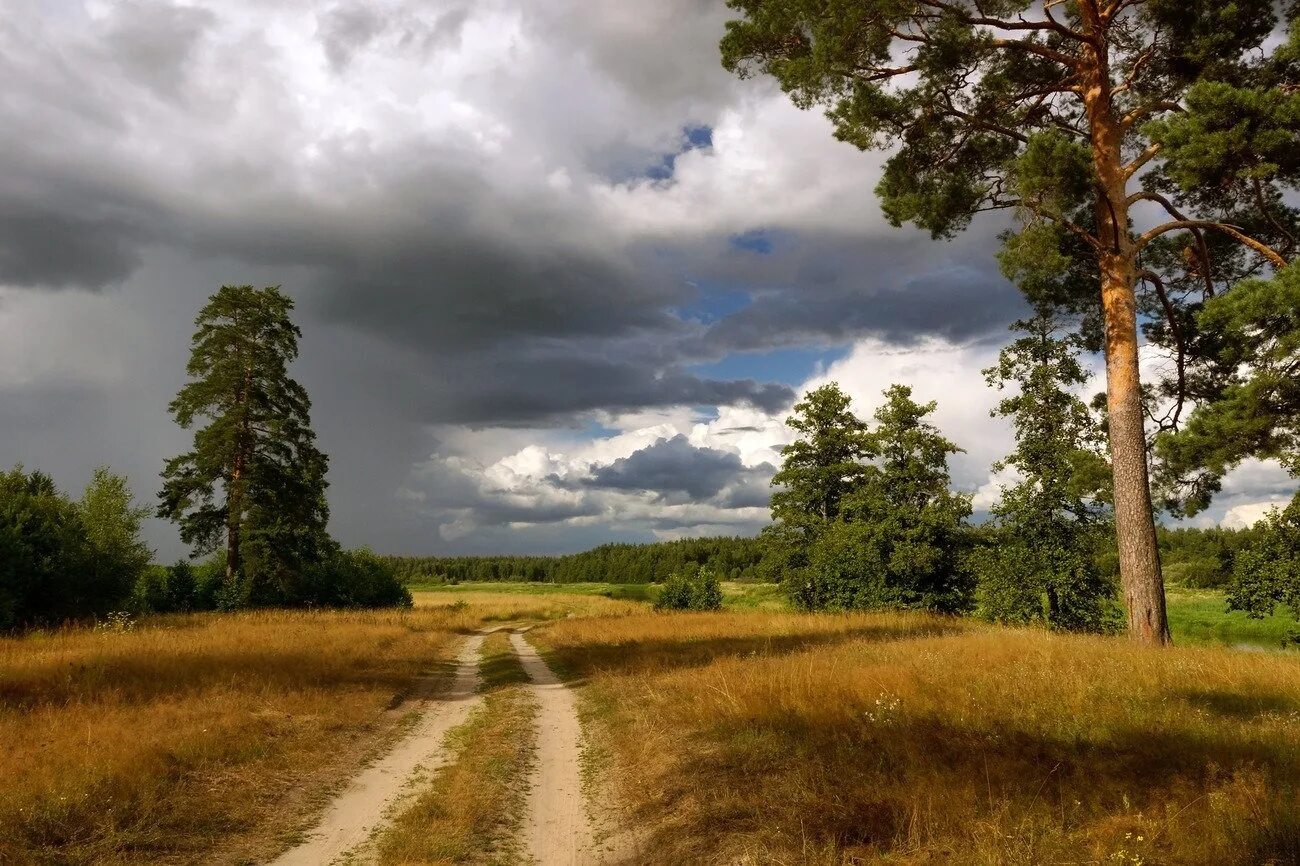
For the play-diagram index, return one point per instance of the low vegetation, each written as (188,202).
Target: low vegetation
(698,591)
(213,735)
(467,813)
(921,738)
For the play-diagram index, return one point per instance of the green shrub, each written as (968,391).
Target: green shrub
(351,578)
(1198,574)
(1021,581)
(64,560)
(167,589)
(700,591)
(1266,574)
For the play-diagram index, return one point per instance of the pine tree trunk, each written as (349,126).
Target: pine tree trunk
(1139,556)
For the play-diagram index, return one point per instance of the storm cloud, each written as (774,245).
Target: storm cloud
(560,276)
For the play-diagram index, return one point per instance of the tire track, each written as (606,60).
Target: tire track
(349,820)
(557,829)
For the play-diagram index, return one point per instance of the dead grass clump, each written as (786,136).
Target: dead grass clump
(822,739)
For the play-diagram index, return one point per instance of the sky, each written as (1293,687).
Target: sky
(560,276)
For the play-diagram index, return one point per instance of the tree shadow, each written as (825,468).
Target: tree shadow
(1236,705)
(859,789)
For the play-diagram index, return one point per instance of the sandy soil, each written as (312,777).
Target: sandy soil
(361,806)
(557,830)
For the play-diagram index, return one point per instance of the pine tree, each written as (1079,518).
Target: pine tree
(1077,116)
(1040,563)
(1256,410)
(819,468)
(254,479)
(902,523)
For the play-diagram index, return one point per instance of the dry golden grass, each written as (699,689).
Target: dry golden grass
(468,812)
(826,739)
(217,734)
(497,607)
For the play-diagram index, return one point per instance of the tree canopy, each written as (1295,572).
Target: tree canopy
(1143,145)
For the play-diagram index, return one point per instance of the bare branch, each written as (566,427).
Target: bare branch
(1171,315)
(1126,123)
(1142,159)
(1231,231)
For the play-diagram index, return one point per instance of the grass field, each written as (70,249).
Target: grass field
(1198,616)
(752,733)
(209,736)
(742,737)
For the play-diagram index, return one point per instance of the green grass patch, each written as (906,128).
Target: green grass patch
(1201,616)
(736,595)
(1195,615)
(624,591)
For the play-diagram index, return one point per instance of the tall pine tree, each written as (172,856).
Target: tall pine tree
(1110,127)
(254,480)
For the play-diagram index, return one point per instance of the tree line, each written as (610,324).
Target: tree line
(730,558)
(250,496)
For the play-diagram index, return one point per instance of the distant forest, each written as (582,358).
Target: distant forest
(1198,558)
(727,557)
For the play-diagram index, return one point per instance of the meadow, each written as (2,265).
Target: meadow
(750,735)
(1196,616)
(211,736)
(766,737)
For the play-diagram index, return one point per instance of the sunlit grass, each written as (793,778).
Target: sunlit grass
(1201,616)
(787,738)
(210,736)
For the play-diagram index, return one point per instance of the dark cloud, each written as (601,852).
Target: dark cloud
(345,29)
(671,466)
(153,43)
(445,224)
(831,289)
(43,247)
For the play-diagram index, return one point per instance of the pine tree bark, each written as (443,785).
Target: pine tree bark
(1139,555)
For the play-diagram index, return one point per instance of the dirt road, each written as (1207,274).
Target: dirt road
(360,807)
(557,829)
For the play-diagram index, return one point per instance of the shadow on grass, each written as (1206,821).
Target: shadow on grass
(860,790)
(1238,706)
(129,679)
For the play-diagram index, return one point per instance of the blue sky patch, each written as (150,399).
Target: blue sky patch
(788,366)
(693,138)
(754,241)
